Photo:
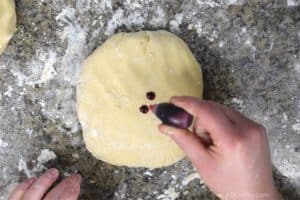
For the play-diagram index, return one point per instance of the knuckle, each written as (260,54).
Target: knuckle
(236,142)
(208,105)
(257,132)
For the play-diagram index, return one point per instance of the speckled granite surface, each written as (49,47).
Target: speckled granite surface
(249,51)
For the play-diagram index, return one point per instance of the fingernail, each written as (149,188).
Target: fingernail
(163,130)
(176,98)
(53,172)
(76,177)
(166,132)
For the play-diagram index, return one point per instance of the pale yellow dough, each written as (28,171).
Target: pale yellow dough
(113,84)
(7,22)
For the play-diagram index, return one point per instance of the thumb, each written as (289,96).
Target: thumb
(191,144)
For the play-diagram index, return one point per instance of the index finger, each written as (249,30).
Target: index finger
(41,186)
(19,191)
(210,116)
(69,188)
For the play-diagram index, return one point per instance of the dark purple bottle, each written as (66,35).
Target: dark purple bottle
(172,115)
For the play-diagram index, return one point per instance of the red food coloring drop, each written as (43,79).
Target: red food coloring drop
(150,95)
(144,109)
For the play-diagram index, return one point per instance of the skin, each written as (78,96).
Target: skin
(230,152)
(38,188)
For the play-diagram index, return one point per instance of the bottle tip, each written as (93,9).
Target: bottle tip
(153,108)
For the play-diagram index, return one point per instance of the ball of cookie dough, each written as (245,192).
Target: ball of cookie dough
(114,84)
(7,22)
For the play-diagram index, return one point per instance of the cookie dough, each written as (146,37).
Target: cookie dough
(7,22)
(113,85)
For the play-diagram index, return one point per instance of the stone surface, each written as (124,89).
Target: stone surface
(249,51)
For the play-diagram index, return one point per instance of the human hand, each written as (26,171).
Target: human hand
(38,188)
(232,155)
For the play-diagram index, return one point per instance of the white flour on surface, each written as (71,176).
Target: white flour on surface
(75,36)
(22,167)
(233,2)
(9,91)
(190,178)
(169,194)
(176,22)
(49,71)
(293,2)
(209,3)
(297,66)
(3,145)
(45,156)
(296,127)
(159,19)
(116,21)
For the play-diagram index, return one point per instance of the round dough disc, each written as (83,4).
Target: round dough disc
(7,22)
(113,84)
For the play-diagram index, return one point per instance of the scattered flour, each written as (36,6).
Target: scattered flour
(216,3)
(209,3)
(176,22)
(169,194)
(239,103)
(249,43)
(297,67)
(75,53)
(3,145)
(132,4)
(221,44)
(190,178)
(45,156)
(147,173)
(22,166)
(233,2)
(9,91)
(284,117)
(159,18)
(289,169)
(296,127)
(197,27)
(116,21)
(135,18)
(293,2)
(29,131)
(49,71)
(105,4)
(41,69)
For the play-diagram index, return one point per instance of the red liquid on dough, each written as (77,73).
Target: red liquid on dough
(150,95)
(144,109)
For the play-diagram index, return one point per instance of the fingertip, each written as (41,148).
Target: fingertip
(168,130)
(31,180)
(77,178)
(18,192)
(188,103)
(51,173)
(175,98)
(162,128)
(178,100)
(72,191)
